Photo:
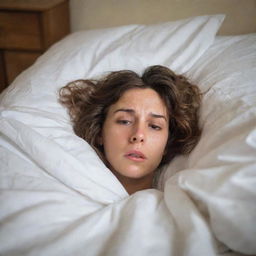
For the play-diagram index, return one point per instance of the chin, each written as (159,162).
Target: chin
(135,173)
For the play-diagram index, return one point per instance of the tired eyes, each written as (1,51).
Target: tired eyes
(129,122)
(155,127)
(124,122)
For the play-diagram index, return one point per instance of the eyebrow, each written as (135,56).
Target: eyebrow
(132,111)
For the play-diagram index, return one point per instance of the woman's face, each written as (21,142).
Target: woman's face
(135,134)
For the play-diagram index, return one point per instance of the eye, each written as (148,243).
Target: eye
(155,127)
(124,122)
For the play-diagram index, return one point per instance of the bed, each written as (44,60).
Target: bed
(58,198)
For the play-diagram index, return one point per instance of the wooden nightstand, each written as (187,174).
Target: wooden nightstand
(27,29)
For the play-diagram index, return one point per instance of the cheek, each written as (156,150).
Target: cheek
(159,142)
(112,137)
(158,147)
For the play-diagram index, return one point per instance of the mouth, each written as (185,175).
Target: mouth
(135,155)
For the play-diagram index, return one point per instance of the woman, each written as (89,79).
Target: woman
(135,124)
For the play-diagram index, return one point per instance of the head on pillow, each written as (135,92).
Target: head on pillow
(147,119)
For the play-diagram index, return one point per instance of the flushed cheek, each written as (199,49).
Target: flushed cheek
(114,143)
(117,139)
(158,143)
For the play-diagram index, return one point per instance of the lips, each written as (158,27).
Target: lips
(135,155)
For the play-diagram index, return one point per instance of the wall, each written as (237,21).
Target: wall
(90,14)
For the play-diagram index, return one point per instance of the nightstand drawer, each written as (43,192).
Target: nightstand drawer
(19,30)
(27,29)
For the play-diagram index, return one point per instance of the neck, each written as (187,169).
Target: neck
(133,185)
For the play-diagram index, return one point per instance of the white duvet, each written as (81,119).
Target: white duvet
(58,198)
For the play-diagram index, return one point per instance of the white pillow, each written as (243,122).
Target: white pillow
(226,74)
(87,54)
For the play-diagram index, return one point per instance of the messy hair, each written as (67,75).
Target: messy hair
(88,102)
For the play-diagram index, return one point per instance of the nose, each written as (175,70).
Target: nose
(138,136)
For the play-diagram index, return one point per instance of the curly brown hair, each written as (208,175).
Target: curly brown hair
(88,102)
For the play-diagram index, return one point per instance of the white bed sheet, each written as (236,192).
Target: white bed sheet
(57,198)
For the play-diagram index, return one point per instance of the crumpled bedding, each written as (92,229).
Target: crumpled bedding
(58,198)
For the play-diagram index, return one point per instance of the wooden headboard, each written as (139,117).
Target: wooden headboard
(91,14)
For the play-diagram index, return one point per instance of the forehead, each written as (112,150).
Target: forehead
(146,100)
